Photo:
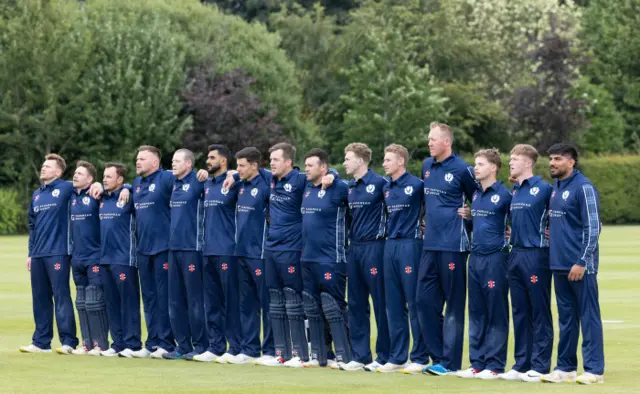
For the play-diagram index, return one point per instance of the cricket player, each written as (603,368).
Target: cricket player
(365,260)
(85,262)
(186,241)
(119,273)
(403,196)
(221,292)
(488,285)
(324,261)
(574,223)
(448,183)
(49,259)
(251,221)
(528,268)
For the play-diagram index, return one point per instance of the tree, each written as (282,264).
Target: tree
(224,110)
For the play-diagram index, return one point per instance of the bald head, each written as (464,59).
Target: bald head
(440,140)
(182,163)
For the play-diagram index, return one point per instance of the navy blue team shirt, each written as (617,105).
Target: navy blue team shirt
(367,208)
(447,185)
(324,223)
(574,224)
(187,214)
(530,213)
(117,231)
(220,217)
(49,222)
(490,213)
(251,217)
(151,196)
(404,207)
(85,226)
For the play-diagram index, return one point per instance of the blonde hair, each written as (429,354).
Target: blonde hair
(62,165)
(492,155)
(361,150)
(525,150)
(399,150)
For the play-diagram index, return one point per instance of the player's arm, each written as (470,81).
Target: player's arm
(469,183)
(590,213)
(32,229)
(332,176)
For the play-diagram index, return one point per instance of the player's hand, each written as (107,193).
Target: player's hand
(547,233)
(464,212)
(327,181)
(96,190)
(576,273)
(124,196)
(507,232)
(28,264)
(230,180)
(202,175)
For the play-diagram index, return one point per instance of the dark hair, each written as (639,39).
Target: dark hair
(320,154)
(288,150)
(564,149)
(152,149)
(222,151)
(251,154)
(91,169)
(121,170)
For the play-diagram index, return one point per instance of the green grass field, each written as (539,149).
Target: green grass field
(619,296)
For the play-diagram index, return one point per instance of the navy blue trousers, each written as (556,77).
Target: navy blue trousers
(530,287)
(86,272)
(122,294)
(222,304)
(443,279)
(254,305)
(579,306)
(50,290)
(365,262)
(186,301)
(488,311)
(401,258)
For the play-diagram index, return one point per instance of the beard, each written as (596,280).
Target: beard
(558,174)
(213,169)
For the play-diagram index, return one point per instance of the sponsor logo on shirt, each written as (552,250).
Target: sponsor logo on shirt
(426,174)
(138,189)
(73,202)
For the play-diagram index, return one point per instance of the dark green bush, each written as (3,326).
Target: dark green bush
(13,218)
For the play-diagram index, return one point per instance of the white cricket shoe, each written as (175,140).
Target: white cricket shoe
(96,351)
(241,359)
(312,364)
(272,362)
(413,369)
(531,376)
(469,373)
(81,351)
(142,353)
(511,375)
(590,378)
(126,353)
(295,362)
(261,359)
(558,376)
(111,352)
(33,349)
(158,353)
(333,364)
(224,359)
(487,374)
(64,349)
(206,357)
(352,366)
(372,367)
(390,368)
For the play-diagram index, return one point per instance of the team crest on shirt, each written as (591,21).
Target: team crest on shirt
(408,190)
(287,187)
(56,193)
(152,187)
(495,199)
(185,187)
(224,191)
(534,191)
(426,174)
(254,192)
(86,200)
(565,195)
(370,189)
(448,177)
(120,204)
(321,193)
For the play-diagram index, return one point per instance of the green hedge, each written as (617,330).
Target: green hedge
(617,178)
(13,216)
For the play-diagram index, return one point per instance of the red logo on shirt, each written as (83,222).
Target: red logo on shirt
(258,272)
(73,202)
(386,195)
(138,189)
(224,266)
(374,271)
(206,191)
(165,266)
(534,279)
(475,195)
(553,194)
(95,269)
(123,277)
(278,352)
(327,276)
(452,266)
(292,270)
(514,191)
(192,267)
(350,190)
(56,266)
(36,198)
(241,191)
(408,269)
(491,284)
(101,204)
(426,174)
(307,194)
(272,185)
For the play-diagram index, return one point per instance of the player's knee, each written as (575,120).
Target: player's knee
(94,298)
(80,298)
(311,306)
(330,307)
(294,304)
